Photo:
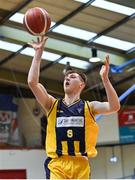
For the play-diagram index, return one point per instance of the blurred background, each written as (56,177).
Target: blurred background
(82,33)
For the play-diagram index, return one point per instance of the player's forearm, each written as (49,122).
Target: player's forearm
(33,75)
(113,100)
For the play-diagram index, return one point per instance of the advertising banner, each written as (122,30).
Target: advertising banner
(127,125)
(9,132)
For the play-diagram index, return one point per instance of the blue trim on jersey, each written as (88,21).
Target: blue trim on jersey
(47,170)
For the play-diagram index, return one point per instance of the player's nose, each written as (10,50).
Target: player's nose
(67,79)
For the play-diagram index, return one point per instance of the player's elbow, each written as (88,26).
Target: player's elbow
(31,83)
(116,108)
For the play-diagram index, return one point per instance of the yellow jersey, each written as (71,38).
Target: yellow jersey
(71,130)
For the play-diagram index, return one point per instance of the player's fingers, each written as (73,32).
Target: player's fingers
(45,38)
(38,39)
(107,60)
(33,42)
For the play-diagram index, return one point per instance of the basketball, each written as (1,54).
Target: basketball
(37,21)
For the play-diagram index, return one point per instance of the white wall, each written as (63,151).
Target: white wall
(114,170)
(101,167)
(128,159)
(31,160)
(108,129)
(98,165)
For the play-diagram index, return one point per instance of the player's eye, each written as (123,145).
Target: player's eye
(73,76)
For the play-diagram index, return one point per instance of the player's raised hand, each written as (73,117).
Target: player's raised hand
(39,44)
(105,69)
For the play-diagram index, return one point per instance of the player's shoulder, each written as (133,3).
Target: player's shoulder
(90,103)
(92,106)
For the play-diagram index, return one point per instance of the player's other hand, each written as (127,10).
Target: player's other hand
(105,69)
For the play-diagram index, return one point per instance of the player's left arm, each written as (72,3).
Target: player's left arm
(113,104)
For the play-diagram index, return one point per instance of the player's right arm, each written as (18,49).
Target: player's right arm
(37,88)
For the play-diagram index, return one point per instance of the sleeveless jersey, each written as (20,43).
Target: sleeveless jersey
(71,130)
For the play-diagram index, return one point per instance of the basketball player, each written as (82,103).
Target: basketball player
(71,130)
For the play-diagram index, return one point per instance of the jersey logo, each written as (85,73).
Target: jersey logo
(73,121)
(79,110)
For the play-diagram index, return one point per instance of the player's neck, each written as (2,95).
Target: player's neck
(69,99)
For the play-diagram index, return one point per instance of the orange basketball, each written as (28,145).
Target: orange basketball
(37,21)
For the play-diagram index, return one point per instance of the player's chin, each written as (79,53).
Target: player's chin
(67,89)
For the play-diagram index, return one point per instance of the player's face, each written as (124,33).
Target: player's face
(72,83)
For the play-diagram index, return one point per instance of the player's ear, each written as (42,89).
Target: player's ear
(82,85)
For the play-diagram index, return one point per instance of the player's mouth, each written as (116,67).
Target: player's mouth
(67,83)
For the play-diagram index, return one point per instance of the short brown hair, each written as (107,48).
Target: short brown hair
(83,77)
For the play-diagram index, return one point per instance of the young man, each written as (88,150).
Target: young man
(71,129)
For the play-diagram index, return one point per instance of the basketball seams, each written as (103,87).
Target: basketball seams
(25,17)
(48,22)
(45,19)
